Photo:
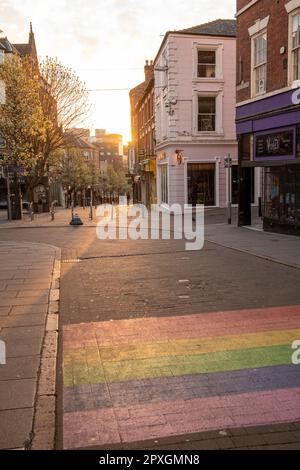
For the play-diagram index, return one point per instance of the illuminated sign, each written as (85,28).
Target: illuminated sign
(279,144)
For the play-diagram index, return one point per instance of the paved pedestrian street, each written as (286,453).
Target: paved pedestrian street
(133,380)
(161,349)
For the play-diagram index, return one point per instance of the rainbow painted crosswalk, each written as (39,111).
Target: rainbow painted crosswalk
(134,380)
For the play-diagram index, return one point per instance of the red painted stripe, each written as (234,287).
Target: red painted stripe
(182,327)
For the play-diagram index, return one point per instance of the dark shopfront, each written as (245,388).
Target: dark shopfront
(269,138)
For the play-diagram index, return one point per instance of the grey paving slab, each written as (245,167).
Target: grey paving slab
(22,333)
(13,321)
(23,341)
(15,428)
(279,248)
(20,368)
(33,293)
(19,302)
(16,394)
(29,310)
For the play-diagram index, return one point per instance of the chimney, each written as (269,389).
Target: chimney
(149,71)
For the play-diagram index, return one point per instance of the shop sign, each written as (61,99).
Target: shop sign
(277,145)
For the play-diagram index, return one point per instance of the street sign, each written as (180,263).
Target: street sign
(228,166)
(228,161)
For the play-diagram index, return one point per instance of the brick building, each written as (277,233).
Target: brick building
(142,147)
(268,110)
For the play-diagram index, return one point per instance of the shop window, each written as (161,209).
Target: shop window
(201,184)
(282,195)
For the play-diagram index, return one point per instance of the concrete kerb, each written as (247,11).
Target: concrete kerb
(44,423)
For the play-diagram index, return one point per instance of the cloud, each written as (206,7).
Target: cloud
(106,35)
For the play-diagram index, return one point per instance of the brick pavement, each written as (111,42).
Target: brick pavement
(28,274)
(243,282)
(152,378)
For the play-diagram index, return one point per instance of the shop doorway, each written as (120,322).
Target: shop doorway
(246,182)
(202,184)
(235,185)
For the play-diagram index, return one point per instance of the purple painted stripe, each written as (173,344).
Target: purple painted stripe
(287,119)
(90,397)
(265,105)
(244,127)
(268,123)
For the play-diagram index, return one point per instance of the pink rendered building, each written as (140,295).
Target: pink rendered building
(195,86)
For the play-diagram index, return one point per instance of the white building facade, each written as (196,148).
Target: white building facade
(195,78)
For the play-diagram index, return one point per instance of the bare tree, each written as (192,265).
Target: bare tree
(65,103)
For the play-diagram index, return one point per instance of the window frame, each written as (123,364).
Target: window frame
(219,130)
(204,64)
(164,183)
(200,96)
(291,67)
(2,56)
(256,67)
(213,47)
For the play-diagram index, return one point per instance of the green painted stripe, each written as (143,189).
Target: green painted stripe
(124,371)
(189,347)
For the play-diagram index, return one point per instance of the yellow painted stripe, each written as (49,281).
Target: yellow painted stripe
(192,347)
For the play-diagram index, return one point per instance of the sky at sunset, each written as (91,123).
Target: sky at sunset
(106,41)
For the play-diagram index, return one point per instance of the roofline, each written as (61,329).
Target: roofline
(147,90)
(186,33)
(136,88)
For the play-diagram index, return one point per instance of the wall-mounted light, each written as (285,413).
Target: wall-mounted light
(178,157)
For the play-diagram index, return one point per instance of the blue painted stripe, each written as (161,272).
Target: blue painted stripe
(90,397)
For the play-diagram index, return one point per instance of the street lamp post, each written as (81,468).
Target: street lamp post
(9,211)
(228,165)
(91,203)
